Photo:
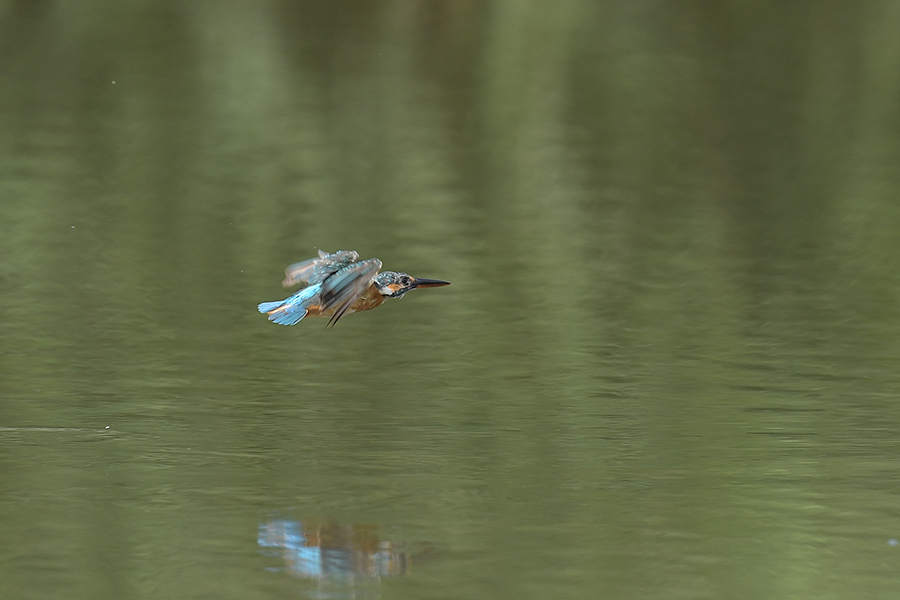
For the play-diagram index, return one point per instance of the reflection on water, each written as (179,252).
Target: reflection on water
(342,556)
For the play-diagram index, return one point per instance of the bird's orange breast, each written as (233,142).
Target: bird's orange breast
(370,299)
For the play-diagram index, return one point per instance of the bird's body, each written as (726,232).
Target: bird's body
(339,284)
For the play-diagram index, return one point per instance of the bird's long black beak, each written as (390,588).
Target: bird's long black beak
(421,282)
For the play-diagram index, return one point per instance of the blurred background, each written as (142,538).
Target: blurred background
(667,366)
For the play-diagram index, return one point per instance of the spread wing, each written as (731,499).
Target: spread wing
(316,270)
(344,287)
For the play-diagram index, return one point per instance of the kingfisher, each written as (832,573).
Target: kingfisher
(338,284)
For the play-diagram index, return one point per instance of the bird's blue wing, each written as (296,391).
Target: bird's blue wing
(316,270)
(344,287)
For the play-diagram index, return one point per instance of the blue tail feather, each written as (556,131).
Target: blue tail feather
(283,313)
(290,311)
(291,315)
(265,307)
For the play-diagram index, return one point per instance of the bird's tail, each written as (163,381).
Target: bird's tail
(265,307)
(284,312)
(291,311)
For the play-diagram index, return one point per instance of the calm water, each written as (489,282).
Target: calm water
(668,366)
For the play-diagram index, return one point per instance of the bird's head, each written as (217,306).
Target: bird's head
(391,284)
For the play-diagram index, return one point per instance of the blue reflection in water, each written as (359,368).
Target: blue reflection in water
(328,550)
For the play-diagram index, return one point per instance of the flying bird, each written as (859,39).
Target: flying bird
(338,284)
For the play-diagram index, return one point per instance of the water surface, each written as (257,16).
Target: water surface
(666,367)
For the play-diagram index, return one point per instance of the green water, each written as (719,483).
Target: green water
(668,365)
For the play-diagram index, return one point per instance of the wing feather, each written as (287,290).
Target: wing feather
(316,270)
(343,288)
